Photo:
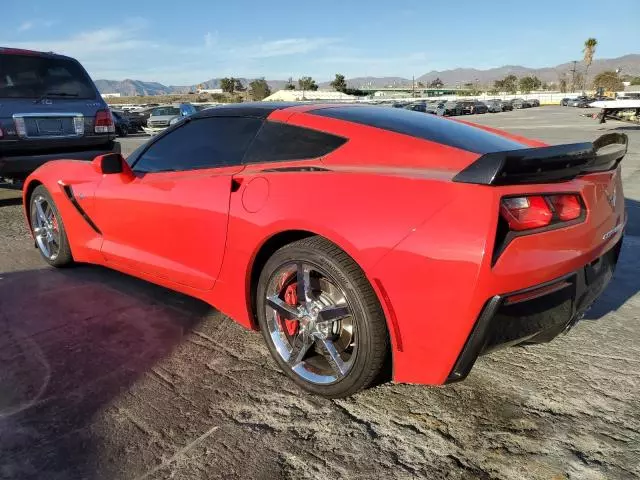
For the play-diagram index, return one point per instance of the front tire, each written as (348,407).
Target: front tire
(321,319)
(48,229)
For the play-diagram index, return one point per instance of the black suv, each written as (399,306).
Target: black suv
(49,109)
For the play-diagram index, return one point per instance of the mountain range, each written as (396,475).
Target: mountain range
(629,64)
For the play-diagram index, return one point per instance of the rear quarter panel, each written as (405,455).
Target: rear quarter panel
(366,215)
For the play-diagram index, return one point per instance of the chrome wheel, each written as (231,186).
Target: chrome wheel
(311,323)
(45,227)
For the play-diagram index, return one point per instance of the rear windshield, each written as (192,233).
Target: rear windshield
(158,112)
(29,76)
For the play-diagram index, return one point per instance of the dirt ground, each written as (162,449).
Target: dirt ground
(106,377)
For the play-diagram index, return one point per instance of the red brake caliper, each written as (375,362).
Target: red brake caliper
(291,298)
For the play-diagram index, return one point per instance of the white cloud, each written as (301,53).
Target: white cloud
(286,46)
(128,50)
(24,26)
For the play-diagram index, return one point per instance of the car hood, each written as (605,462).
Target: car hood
(160,118)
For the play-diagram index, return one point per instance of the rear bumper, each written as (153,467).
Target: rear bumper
(537,314)
(23,165)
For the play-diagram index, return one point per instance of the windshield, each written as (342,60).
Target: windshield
(29,76)
(162,111)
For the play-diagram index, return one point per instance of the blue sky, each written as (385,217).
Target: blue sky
(189,42)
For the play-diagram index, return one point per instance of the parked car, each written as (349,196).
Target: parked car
(519,103)
(582,101)
(164,116)
(433,107)
(49,109)
(340,296)
(506,106)
(494,106)
(479,107)
(123,126)
(417,107)
(138,117)
(450,108)
(534,102)
(564,102)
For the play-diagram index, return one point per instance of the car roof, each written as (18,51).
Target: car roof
(35,53)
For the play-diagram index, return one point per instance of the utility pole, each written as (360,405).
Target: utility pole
(573,76)
(413,86)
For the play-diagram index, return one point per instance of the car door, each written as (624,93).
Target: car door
(170,218)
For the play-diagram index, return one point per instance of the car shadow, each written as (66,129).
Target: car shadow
(626,282)
(9,202)
(70,342)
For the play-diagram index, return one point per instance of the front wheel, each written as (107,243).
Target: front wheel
(48,229)
(321,319)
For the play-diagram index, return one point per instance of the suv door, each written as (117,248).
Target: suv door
(171,219)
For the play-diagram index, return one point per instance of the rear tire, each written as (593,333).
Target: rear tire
(340,313)
(48,229)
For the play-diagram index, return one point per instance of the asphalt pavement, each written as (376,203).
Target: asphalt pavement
(103,376)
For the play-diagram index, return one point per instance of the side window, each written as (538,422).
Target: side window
(200,143)
(280,142)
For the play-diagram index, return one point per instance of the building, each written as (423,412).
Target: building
(110,95)
(209,90)
(297,95)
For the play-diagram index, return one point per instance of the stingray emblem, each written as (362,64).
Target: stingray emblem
(611,198)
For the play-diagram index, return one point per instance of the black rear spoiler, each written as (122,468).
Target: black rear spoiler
(556,163)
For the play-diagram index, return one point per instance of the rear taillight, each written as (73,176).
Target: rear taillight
(525,213)
(537,211)
(567,207)
(1,134)
(104,122)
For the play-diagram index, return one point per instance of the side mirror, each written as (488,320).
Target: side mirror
(111,163)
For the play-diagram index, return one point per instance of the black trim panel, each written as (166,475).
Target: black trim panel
(68,191)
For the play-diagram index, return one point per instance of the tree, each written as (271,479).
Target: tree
(529,83)
(507,84)
(259,89)
(290,85)
(339,84)
(635,81)
(228,85)
(307,83)
(437,83)
(239,87)
(609,81)
(563,85)
(420,85)
(589,51)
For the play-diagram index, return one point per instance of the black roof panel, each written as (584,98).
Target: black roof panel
(248,109)
(421,125)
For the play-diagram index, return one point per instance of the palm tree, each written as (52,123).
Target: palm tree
(589,50)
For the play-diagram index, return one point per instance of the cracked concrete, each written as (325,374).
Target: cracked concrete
(106,377)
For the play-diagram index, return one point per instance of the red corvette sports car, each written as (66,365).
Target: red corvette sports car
(355,238)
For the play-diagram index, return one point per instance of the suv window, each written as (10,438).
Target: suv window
(31,76)
(280,142)
(200,143)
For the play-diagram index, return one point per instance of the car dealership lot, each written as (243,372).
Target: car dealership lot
(109,377)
